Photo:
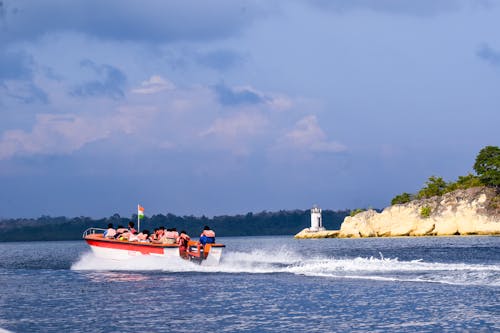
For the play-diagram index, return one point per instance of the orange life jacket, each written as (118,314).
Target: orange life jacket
(183,240)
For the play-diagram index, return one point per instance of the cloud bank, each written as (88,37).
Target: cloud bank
(156,21)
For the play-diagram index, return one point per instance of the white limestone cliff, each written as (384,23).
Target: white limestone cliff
(475,211)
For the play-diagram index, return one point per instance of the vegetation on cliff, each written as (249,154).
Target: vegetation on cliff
(425,211)
(486,166)
(356,211)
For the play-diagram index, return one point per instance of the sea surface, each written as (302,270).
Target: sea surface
(263,284)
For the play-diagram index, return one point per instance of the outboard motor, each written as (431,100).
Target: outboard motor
(196,253)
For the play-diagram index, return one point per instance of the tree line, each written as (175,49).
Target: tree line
(283,222)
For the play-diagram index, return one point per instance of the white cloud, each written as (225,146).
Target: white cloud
(279,103)
(132,119)
(156,113)
(235,132)
(241,124)
(274,101)
(154,85)
(66,133)
(51,133)
(308,136)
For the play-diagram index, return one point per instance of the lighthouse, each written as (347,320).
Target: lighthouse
(316,220)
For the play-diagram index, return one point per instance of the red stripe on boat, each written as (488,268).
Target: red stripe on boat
(144,249)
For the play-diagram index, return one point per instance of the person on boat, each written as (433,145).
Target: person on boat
(140,237)
(207,236)
(131,228)
(111,232)
(159,236)
(143,236)
(120,231)
(125,236)
(183,241)
(154,236)
(175,233)
(128,233)
(170,237)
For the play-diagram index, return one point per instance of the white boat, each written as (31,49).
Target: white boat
(110,248)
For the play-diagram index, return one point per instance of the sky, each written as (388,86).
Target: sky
(226,107)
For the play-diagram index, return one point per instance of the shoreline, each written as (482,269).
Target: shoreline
(306,234)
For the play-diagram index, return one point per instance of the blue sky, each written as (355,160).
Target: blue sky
(225,107)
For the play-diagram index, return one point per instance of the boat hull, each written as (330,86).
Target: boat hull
(121,250)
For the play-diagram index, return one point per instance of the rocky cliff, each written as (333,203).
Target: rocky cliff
(306,233)
(474,211)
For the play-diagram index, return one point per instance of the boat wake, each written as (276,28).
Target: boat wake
(289,262)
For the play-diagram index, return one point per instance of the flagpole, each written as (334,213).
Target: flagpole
(138,220)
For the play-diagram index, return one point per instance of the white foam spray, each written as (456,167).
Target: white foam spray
(286,261)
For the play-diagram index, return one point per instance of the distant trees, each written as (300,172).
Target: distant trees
(283,222)
(487,167)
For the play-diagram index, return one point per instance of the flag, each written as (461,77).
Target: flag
(140,211)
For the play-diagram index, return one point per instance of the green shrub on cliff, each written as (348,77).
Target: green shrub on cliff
(487,166)
(356,211)
(401,199)
(433,186)
(463,183)
(425,212)
(495,203)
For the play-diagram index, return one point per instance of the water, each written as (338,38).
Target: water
(264,284)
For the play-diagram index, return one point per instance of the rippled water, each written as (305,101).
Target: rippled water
(263,284)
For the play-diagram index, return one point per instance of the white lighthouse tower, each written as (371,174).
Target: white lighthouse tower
(316,220)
